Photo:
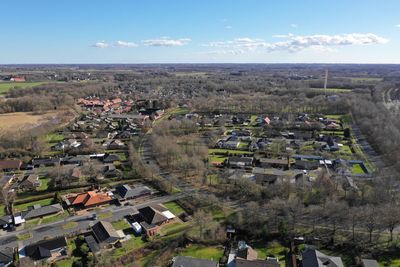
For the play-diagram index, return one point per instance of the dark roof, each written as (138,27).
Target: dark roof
(255,263)
(181,261)
(45,161)
(5,220)
(42,249)
(105,232)
(10,164)
(125,191)
(6,255)
(92,244)
(370,263)
(153,214)
(41,211)
(240,159)
(111,158)
(315,258)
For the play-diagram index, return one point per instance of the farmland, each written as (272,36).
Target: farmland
(20,120)
(7,86)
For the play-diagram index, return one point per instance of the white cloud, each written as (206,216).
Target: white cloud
(123,44)
(228,27)
(101,44)
(295,43)
(166,41)
(398,25)
(294,25)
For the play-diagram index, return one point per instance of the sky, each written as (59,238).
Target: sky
(206,31)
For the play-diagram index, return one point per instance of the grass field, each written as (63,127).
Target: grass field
(332,90)
(358,80)
(44,184)
(18,120)
(174,208)
(7,86)
(121,224)
(274,249)
(207,253)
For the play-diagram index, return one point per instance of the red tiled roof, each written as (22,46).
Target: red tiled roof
(91,198)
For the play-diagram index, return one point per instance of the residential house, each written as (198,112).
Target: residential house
(240,162)
(10,165)
(67,144)
(111,158)
(7,180)
(45,162)
(54,248)
(182,261)
(127,192)
(30,182)
(151,218)
(315,258)
(266,176)
(306,164)
(274,163)
(105,234)
(6,256)
(89,199)
(246,256)
(114,144)
(37,211)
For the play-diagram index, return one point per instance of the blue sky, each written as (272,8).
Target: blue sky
(184,31)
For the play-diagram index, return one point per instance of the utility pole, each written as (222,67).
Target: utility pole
(326,81)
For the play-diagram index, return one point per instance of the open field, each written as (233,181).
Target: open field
(332,90)
(18,120)
(207,253)
(7,86)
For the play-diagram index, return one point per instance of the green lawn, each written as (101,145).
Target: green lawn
(31,223)
(55,217)
(2,210)
(243,144)
(334,117)
(105,215)
(273,248)
(43,202)
(121,224)
(389,263)
(174,208)
(70,225)
(54,137)
(44,184)
(216,158)
(345,149)
(356,169)
(7,86)
(359,80)
(64,263)
(134,243)
(24,236)
(173,228)
(208,253)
